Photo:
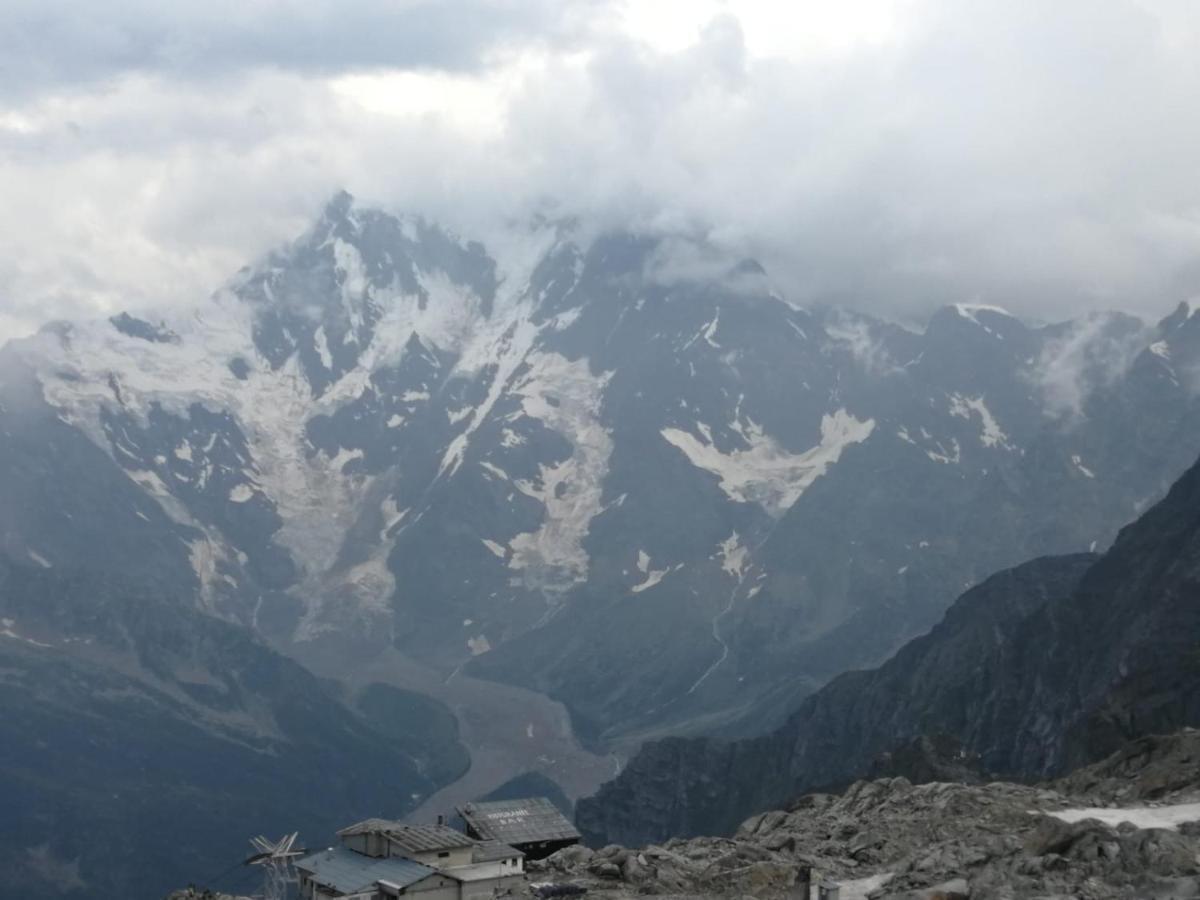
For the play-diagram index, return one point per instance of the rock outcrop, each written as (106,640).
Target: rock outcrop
(890,839)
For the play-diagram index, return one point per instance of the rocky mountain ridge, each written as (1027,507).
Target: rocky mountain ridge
(1036,671)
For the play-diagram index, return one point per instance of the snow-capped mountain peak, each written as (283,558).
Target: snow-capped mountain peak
(382,431)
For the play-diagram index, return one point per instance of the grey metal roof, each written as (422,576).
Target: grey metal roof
(371,826)
(518,822)
(348,872)
(413,838)
(491,851)
(423,838)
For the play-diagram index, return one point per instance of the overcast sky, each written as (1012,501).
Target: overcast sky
(890,155)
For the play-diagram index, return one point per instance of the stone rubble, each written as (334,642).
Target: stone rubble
(937,841)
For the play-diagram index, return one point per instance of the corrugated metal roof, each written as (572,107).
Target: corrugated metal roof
(413,838)
(490,851)
(423,838)
(518,822)
(371,826)
(348,872)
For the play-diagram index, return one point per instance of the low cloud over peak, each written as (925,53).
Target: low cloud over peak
(1039,156)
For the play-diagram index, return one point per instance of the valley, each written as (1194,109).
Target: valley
(507,730)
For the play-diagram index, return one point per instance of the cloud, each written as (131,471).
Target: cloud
(1035,155)
(1092,352)
(858,339)
(53,43)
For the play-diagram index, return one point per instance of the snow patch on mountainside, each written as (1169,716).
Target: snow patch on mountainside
(948,455)
(321,343)
(240,493)
(652,576)
(565,396)
(38,558)
(206,554)
(991,434)
(506,351)
(392,514)
(501,341)
(452,315)
(971,311)
(98,367)
(313,496)
(478,645)
(1168,817)
(710,330)
(734,556)
(1078,462)
(8,630)
(764,472)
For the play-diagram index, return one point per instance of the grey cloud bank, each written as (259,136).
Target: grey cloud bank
(63,43)
(1038,156)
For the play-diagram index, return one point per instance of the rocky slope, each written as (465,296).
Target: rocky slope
(616,469)
(1037,670)
(143,742)
(890,838)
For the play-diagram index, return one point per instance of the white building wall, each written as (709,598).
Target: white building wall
(435,887)
(487,888)
(460,856)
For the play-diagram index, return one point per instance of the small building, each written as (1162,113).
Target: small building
(381,858)
(504,859)
(534,825)
(338,872)
(434,845)
(495,869)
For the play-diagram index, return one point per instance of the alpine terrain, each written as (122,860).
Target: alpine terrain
(550,498)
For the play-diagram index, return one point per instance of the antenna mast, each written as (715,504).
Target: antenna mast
(275,857)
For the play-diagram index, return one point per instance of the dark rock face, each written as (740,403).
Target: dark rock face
(1038,670)
(927,758)
(140,328)
(1152,768)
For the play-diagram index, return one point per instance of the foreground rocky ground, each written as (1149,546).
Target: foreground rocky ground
(890,838)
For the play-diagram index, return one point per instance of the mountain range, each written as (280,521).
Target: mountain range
(559,495)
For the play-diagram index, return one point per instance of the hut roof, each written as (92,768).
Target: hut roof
(530,821)
(424,838)
(348,872)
